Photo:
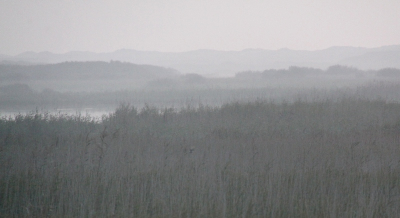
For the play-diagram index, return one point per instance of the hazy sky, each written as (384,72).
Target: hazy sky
(181,25)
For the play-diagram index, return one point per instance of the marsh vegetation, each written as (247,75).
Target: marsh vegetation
(296,142)
(305,158)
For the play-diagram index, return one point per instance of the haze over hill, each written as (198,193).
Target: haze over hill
(83,76)
(94,70)
(226,63)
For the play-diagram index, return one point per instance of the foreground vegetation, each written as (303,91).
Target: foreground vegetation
(324,158)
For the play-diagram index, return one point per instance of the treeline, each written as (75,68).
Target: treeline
(258,159)
(116,76)
(116,70)
(21,97)
(336,70)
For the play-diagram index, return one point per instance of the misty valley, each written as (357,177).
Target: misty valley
(117,139)
(197,109)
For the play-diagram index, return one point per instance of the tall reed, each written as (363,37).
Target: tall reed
(259,159)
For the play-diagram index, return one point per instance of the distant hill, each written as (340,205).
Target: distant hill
(81,71)
(227,63)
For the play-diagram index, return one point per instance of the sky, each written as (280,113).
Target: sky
(61,26)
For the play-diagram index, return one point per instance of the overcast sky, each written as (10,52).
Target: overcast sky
(181,25)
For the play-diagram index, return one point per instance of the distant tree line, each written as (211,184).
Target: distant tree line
(336,70)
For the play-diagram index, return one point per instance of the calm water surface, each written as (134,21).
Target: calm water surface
(92,112)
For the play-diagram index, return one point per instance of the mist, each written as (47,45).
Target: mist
(199,109)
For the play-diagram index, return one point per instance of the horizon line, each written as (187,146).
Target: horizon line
(194,50)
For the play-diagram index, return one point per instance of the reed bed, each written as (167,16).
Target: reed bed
(325,158)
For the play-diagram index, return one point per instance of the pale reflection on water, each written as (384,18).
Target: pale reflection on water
(92,112)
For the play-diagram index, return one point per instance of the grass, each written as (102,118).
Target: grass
(324,158)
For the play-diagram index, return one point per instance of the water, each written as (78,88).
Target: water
(92,112)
